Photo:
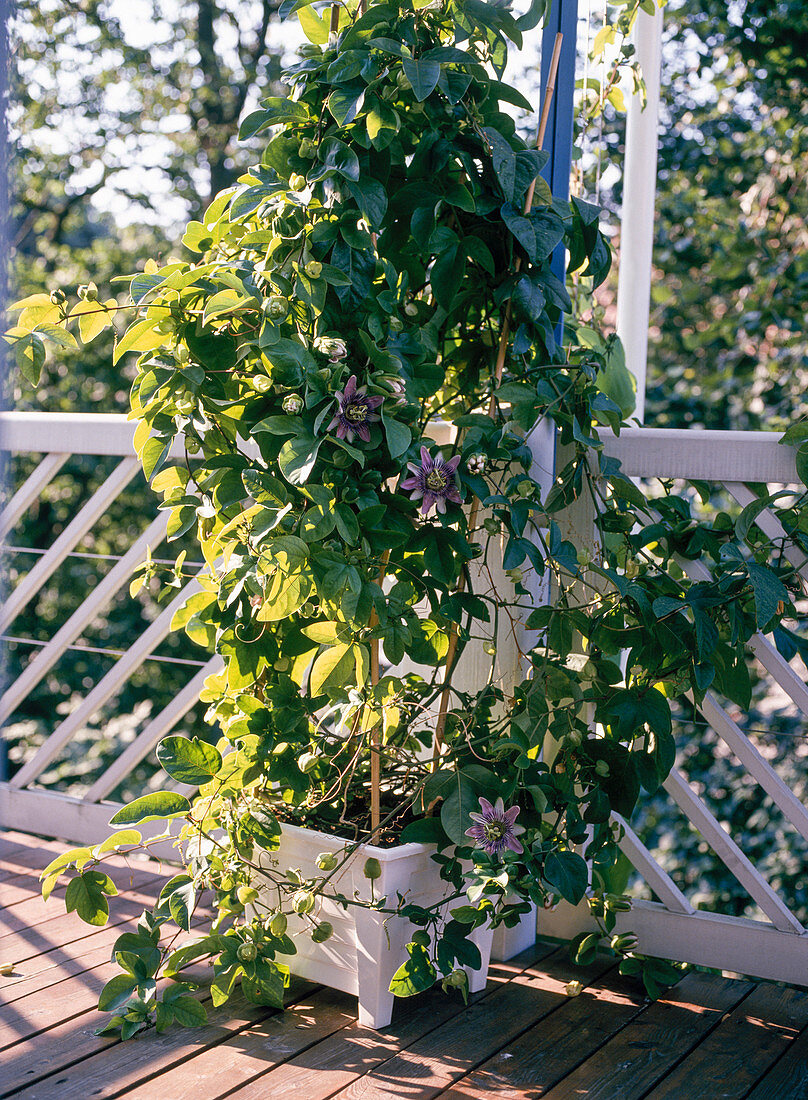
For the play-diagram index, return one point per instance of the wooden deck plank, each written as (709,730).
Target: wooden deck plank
(743,1047)
(640,1055)
(73,1063)
(252,1052)
(788,1077)
(456,1048)
(354,1051)
(554,1047)
(522,1038)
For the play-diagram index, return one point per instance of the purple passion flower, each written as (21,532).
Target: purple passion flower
(354,411)
(433,480)
(494,829)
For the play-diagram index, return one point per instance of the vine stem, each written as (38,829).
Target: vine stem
(499,366)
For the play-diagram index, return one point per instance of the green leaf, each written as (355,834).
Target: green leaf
(398,436)
(337,157)
(188,1012)
(29,355)
(116,992)
(152,807)
(423,75)
(345,103)
(416,975)
(85,896)
(189,761)
(769,592)
(341,666)
(567,872)
(297,457)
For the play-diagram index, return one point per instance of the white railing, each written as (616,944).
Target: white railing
(671,926)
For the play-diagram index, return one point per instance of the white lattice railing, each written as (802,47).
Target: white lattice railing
(671,926)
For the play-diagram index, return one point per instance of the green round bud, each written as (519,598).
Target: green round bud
(246,895)
(247,952)
(372,869)
(314,269)
(277,925)
(324,931)
(396,324)
(602,768)
(411,309)
(306,149)
(261,384)
(57,297)
(297,182)
(327,861)
(490,648)
(283,664)
(292,404)
(525,488)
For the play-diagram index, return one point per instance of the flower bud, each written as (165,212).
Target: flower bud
(88,292)
(297,182)
(247,952)
(490,648)
(57,297)
(306,149)
(314,269)
(261,384)
(411,309)
(525,488)
(458,979)
(292,404)
(246,894)
(331,346)
(276,307)
(573,988)
(602,768)
(303,902)
(327,861)
(324,931)
(626,941)
(476,463)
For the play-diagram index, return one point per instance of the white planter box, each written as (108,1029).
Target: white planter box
(367,947)
(508,942)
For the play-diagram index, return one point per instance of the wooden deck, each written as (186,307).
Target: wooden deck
(710,1038)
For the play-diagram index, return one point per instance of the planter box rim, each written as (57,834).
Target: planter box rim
(384,855)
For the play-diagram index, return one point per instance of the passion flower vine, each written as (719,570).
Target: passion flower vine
(495,829)
(355,411)
(433,481)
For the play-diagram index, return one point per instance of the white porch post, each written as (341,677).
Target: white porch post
(639,192)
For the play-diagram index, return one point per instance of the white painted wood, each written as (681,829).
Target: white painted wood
(76,433)
(770,525)
(706,455)
(31,490)
(780,670)
(639,195)
(81,617)
(704,939)
(148,737)
(78,527)
(755,764)
(657,877)
(106,687)
(63,817)
(730,854)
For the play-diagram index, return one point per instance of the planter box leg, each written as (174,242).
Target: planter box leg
(508,942)
(380,951)
(482,937)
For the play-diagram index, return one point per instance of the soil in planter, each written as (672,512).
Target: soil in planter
(351,822)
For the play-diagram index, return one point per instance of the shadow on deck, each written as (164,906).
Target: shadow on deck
(523,1037)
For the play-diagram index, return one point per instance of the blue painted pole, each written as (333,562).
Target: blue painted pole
(563,19)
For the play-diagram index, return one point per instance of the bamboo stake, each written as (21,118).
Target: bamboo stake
(498,369)
(375,736)
(333,29)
